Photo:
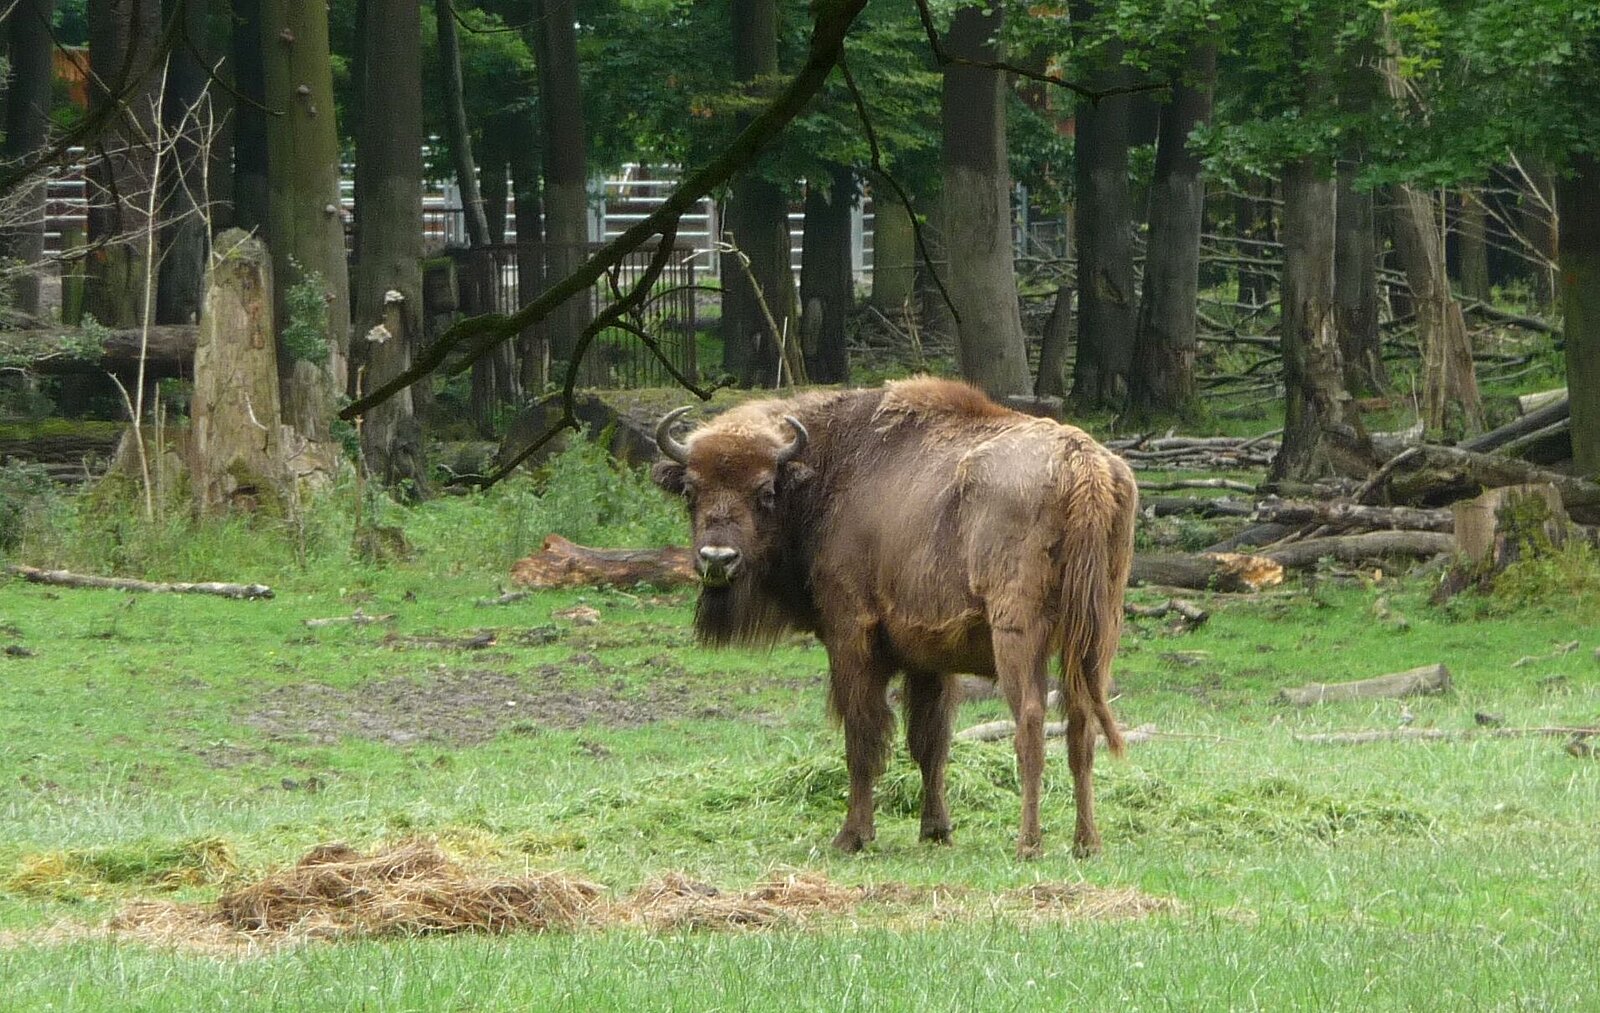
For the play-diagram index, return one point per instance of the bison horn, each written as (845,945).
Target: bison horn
(669,446)
(795,446)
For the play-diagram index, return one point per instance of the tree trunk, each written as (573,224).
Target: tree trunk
(894,255)
(977,202)
(1447,372)
(1355,285)
(566,174)
(1473,246)
(305,230)
(496,184)
(1253,221)
(757,216)
(1052,378)
(458,137)
(27,124)
(238,453)
(249,121)
(1106,307)
(527,195)
(1578,197)
(1162,378)
(388,282)
(186,112)
(122,39)
(1539,229)
(1322,433)
(827,286)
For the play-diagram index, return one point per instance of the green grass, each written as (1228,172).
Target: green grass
(163,746)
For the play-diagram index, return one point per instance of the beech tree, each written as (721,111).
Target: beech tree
(977,209)
(387,287)
(26,127)
(305,231)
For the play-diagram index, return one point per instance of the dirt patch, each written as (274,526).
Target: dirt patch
(462,707)
(1085,900)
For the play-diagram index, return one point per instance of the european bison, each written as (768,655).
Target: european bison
(919,528)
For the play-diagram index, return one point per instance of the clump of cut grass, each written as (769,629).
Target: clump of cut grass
(1271,809)
(73,874)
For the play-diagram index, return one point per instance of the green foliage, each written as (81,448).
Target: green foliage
(26,496)
(1568,576)
(305,333)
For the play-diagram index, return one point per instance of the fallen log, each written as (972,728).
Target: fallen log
(1436,734)
(1359,548)
(1545,414)
(994,731)
(1211,571)
(1549,445)
(1527,403)
(561,563)
(357,618)
(1231,484)
(1354,515)
(60,351)
(1429,679)
(1256,534)
(1435,475)
(64,578)
(1176,506)
(1186,610)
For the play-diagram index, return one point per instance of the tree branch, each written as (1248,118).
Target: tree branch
(480,334)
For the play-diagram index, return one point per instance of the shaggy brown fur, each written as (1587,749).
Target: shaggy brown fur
(925,530)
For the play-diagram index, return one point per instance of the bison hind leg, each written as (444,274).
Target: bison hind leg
(930,703)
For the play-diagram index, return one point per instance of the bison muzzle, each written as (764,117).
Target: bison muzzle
(919,529)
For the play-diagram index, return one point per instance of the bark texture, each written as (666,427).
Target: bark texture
(305,230)
(894,257)
(1579,203)
(234,413)
(977,203)
(1322,434)
(1472,246)
(1355,285)
(827,285)
(26,127)
(250,186)
(1106,300)
(566,168)
(388,282)
(122,40)
(757,217)
(1162,377)
(186,114)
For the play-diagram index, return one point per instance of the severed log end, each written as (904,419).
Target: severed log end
(1429,679)
(562,563)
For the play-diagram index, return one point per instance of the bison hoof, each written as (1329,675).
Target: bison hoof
(1086,847)
(936,835)
(850,840)
(1027,851)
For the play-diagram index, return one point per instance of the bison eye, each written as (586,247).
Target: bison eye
(767,498)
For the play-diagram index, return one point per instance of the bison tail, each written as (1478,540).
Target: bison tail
(1097,558)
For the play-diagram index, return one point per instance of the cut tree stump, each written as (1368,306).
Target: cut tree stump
(64,578)
(1429,679)
(1494,529)
(561,563)
(238,457)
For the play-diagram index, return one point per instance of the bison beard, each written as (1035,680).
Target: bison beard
(920,529)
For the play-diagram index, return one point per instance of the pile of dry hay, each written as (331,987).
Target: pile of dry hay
(413,888)
(337,892)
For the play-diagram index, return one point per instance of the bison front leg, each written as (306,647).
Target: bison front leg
(1021,659)
(931,700)
(856,696)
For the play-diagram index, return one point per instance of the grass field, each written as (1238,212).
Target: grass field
(172,748)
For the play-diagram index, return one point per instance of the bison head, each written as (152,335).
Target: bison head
(735,482)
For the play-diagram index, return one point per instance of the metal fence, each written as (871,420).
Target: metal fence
(505,277)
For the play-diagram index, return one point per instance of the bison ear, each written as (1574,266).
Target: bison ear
(796,474)
(669,476)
